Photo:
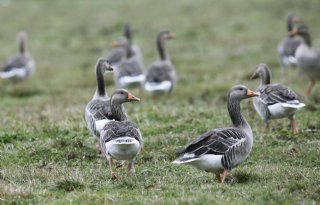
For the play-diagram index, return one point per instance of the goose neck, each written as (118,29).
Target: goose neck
(100,91)
(118,111)
(265,77)
(236,116)
(161,48)
(307,39)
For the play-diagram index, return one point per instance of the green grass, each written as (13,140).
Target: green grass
(47,155)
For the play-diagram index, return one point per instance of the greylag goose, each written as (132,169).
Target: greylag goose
(308,58)
(129,72)
(161,75)
(275,101)
(288,46)
(222,149)
(120,47)
(120,139)
(98,111)
(20,66)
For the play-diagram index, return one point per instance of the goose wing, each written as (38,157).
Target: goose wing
(16,61)
(116,129)
(116,55)
(96,110)
(160,71)
(217,142)
(275,93)
(129,67)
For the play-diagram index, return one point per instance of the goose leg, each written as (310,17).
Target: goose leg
(224,174)
(309,88)
(113,175)
(130,165)
(294,126)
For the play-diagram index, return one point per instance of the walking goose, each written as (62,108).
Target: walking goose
(308,58)
(275,101)
(129,72)
(222,149)
(161,75)
(19,66)
(98,111)
(120,139)
(120,47)
(288,46)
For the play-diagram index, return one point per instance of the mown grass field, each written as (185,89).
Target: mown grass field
(47,155)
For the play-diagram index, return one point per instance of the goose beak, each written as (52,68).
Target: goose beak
(251,93)
(254,76)
(132,97)
(115,44)
(171,36)
(293,32)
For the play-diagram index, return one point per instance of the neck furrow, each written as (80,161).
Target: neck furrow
(161,48)
(118,112)
(129,51)
(100,91)
(265,78)
(307,39)
(236,116)
(22,48)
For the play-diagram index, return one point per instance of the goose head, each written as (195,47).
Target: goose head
(241,92)
(302,31)
(166,35)
(262,72)
(104,65)
(291,21)
(122,96)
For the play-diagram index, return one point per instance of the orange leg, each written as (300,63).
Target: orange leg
(309,88)
(113,175)
(130,165)
(224,174)
(294,126)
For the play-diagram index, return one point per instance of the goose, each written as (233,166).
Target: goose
(287,47)
(120,139)
(98,111)
(308,58)
(19,66)
(275,101)
(222,149)
(129,72)
(120,46)
(161,75)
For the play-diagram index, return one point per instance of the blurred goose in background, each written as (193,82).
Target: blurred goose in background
(19,66)
(120,48)
(98,111)
(308,58)
(275,101)
(222,149)
(161,75)
(120,139)
(288,46)
(129,72)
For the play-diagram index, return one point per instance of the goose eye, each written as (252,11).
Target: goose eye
(241,89)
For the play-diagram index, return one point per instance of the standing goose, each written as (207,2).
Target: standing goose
(222,149)
(288,46)
(161,75)
(129,72)
(275,101)
(20,66)
(98,111)
(120,47)
(120,139)
(308,58)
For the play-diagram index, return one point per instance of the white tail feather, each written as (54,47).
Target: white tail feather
(163,86)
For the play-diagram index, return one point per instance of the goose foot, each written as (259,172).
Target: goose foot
(309,88)
(221,176)
(113,175)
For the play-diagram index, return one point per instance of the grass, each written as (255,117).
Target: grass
(48,156)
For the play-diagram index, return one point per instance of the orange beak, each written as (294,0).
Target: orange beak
(293,32)
(254,76)
(132,97)
(251,93)
(171,36)
(115,44)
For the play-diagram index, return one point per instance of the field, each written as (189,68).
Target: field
(47,155)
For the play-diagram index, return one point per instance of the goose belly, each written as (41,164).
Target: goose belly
(123,148)
(207,162)
(131,81)
(281,110)
(158,87)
